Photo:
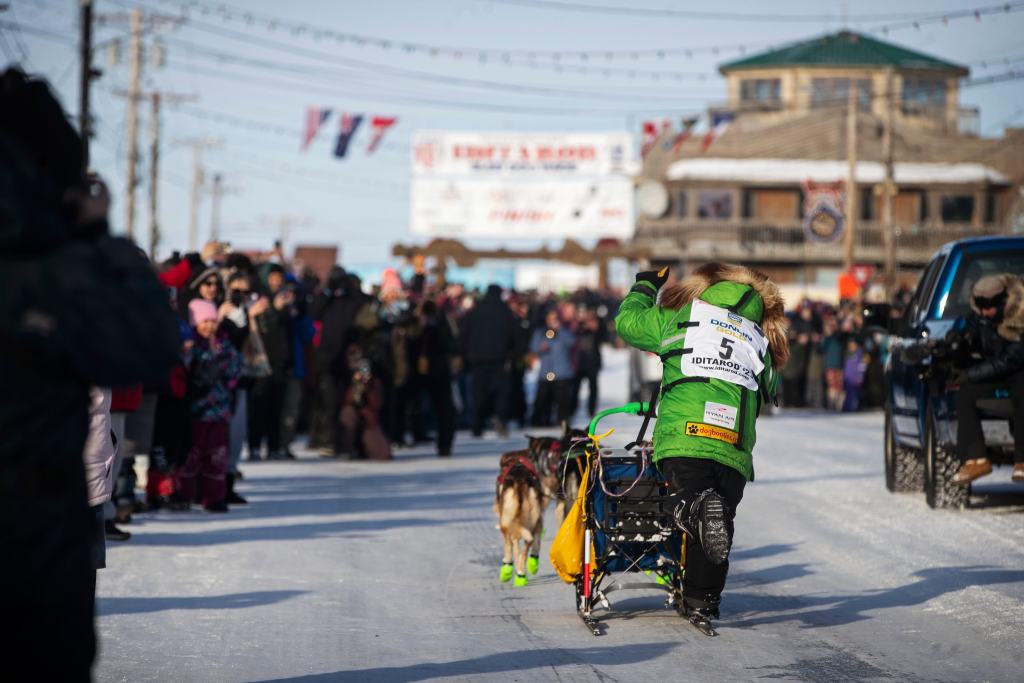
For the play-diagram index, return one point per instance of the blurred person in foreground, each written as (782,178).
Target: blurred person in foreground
(78,308)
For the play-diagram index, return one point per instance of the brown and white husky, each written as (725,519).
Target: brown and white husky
(519,505)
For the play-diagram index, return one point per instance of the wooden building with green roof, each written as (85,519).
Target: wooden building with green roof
(750,195)
(815,74)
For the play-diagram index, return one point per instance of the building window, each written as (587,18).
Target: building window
(830,92)
(714,204)
(921,95)
(956,208)
(867,204)
(681,204)
(761,91)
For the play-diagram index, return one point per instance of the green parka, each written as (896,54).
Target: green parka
(700,414)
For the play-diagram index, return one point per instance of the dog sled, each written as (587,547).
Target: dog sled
(625,513)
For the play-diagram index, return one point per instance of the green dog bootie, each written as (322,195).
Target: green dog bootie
(661,580)
(533,564)
(506,572)
(521,580)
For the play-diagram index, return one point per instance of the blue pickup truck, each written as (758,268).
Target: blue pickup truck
(920,413)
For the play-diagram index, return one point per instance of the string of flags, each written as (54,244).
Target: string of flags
(348,124)
(652,132)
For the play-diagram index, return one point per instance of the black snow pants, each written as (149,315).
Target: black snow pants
(703,581)
(970,440)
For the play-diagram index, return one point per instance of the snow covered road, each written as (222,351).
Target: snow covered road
(343,571)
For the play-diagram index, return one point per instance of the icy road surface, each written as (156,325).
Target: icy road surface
(342,571)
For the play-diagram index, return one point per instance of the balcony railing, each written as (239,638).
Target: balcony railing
(754,240)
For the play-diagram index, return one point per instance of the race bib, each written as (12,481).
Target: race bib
(724,346)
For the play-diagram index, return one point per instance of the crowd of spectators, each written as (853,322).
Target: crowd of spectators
(835,363)
(269,351)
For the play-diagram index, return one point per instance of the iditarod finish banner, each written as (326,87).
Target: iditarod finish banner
(523,184)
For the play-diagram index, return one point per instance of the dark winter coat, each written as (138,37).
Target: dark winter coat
(336,315)
(488,330)
(588,350)
(1000,343)
(436,346)
(213,374)
(275,330)
(82,313)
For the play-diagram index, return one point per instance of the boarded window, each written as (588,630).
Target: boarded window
(908,208)
(776,205)
(714,204)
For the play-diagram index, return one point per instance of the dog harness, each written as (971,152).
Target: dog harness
(520,461)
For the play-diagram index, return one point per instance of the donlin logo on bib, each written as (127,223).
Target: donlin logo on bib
(723,346)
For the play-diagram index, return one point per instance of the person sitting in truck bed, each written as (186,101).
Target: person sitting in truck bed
(994,330)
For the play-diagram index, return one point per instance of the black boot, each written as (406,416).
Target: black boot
(701,612)
(705,518)
(113,533)
(233,498)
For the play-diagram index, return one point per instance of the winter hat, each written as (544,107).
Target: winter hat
(200,310)
(390,284)
(203,276)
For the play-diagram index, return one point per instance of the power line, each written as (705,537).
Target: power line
(508,56)
(445,104)
(486,55)
(635,11)
(517,88)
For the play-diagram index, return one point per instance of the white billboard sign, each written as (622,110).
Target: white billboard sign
(523,184)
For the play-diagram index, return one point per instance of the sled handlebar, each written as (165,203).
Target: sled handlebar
(638,408)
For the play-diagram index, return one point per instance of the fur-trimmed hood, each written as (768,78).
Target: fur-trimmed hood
(773,321)
(1012,326)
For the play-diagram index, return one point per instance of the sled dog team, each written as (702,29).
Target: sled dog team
(529,480)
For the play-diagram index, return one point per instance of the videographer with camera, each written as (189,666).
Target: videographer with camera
(989,356)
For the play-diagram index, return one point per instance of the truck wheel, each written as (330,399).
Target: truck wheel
(904,467)
(940,464)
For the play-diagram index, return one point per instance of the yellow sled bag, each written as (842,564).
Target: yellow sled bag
(567,548)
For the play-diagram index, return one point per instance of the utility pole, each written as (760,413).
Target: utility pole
(197,145)
(135,20)
(85,77)
(217,193)
(154,166)
(156,99)
(888,192)
(285,223)
(851,176)
(133,118)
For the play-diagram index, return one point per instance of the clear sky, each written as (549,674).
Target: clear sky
(253,83)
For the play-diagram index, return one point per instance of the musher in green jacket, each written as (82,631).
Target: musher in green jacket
(721,335)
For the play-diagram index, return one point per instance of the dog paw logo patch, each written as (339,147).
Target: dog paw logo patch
(712,432)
